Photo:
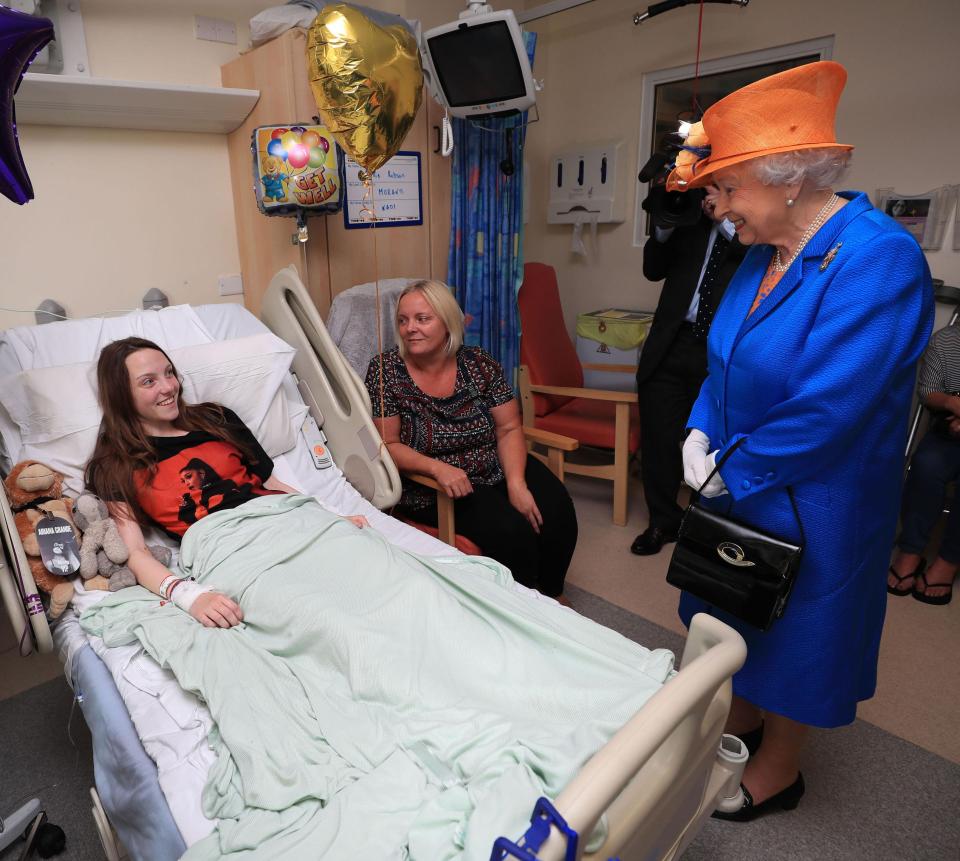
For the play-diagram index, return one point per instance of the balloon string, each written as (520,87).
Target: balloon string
(368,206)
(696,68)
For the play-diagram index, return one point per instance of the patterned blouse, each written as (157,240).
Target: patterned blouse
(458,430)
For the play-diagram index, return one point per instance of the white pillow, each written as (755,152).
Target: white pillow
(57,412)
(244,374)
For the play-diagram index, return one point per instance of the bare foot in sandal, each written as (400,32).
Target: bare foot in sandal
(902,577)
(936,586)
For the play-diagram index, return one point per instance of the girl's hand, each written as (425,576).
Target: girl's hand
(215,610)
(522,499)
(358,520)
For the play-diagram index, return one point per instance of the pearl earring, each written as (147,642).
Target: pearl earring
(790,201)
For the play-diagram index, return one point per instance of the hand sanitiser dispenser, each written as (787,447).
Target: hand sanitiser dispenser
(585,185)
(585,189)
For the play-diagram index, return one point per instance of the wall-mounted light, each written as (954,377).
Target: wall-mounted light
(155,299)
(49,311)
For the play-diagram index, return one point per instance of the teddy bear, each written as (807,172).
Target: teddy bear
(118,575)
(100,536)
(28,483)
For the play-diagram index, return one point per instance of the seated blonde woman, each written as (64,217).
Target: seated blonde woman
(445,410)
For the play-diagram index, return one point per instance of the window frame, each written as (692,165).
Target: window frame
(822,47)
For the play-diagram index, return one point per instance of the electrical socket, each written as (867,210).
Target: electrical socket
(215,30)
(231,285)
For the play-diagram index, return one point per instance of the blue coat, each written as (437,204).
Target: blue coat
(819,380)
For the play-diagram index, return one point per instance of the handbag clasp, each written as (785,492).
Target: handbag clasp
(733,554)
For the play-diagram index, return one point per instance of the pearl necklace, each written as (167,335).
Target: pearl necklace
(815,225)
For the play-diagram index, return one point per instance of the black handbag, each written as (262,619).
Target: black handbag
(733,566)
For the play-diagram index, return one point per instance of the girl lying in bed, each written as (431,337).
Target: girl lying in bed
(161,462)
(368,702)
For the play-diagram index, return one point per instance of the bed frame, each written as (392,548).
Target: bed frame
(657,779)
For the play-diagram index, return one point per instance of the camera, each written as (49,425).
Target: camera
(669,208)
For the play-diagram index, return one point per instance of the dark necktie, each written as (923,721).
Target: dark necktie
(707,303)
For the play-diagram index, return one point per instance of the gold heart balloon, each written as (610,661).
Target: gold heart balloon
(366,80)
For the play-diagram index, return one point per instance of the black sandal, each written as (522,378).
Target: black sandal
(899,590)
(923,597)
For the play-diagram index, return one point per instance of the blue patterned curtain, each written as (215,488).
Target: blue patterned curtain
(485,265)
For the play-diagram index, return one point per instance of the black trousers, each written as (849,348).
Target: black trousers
(935,464)
(666,398)
(488,519)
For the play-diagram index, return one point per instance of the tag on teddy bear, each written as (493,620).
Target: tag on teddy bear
(58,545)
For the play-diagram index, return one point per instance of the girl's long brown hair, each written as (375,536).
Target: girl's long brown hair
(122,447)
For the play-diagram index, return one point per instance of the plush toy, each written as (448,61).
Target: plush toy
(28,483)
(100,534)
(117,575)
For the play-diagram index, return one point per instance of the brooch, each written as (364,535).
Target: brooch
(828,258)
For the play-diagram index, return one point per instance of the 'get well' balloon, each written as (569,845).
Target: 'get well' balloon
(295,180)
(366,78)
(21,37)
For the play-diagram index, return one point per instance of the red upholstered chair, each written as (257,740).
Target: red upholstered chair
(552,394)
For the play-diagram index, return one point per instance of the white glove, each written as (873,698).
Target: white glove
(695,450)
(715,487)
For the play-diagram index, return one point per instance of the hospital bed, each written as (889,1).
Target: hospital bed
(650,787)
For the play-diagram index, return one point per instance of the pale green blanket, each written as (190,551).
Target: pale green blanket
(375,704)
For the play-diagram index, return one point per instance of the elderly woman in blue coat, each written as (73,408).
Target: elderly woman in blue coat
(811,361)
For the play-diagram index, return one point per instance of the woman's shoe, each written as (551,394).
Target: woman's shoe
(921,594)
(899,590)
(786,799)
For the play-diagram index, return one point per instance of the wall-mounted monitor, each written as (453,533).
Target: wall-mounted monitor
(478,65)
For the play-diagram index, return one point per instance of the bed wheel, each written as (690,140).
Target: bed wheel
(112,847)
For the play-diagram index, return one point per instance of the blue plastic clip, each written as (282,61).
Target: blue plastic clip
(544,815)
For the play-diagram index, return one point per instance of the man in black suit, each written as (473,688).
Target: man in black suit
(697,262)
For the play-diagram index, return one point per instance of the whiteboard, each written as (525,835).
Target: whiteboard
(397,193)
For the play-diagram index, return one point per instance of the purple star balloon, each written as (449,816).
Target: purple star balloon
(21,38)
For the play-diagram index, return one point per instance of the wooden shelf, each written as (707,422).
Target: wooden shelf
(74,100)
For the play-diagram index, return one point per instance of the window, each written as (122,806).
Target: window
(668,97)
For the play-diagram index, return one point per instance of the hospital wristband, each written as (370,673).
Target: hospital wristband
(188,592)
(165,584)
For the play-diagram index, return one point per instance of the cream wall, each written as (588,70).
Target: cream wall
(117,212)
(899,108)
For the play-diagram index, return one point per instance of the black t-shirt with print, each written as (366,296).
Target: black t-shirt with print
(197,474)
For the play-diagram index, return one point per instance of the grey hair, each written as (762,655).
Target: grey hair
(820,168)
(439,297)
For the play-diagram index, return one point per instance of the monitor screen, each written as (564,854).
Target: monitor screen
(477,65)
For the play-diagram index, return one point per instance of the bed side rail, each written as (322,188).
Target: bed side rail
(655,778)
(331,389)
(18,590)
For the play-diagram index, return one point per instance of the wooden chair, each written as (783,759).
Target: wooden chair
(557,446)
(552,394)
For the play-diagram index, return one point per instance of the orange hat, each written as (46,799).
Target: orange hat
(791,110)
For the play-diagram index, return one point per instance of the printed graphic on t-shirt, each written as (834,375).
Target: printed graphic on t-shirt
(207,477)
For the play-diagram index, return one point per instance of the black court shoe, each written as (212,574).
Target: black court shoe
(786,799)
(651,541)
